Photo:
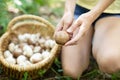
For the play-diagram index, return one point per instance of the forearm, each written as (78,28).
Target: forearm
(100,7)
(70,6)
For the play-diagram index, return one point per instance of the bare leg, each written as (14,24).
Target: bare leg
(106,44)
(75,59)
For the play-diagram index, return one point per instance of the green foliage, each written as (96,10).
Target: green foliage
(47,2)
(57,62)
(4,17)
(115,76)
(32,6)
(41,72)
(28,7)
(92,74)
(42,2)
(25,76)
(63,78)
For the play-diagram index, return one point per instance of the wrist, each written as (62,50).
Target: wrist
(69,13)
(94,14)
(70,6)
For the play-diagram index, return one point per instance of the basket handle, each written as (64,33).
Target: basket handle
(26,18)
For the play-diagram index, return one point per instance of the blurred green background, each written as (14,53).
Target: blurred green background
(51,10)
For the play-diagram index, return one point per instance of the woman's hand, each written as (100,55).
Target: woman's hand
(65,22)
(83,22)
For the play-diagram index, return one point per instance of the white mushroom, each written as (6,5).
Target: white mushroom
(45,54)
(7,54)
(32,47)
(11,47)
(21,59)
(28,62)
(41,40)
(11,60)
(49,43)
(17,52)
(27,51)
(37,49)
(16,47)
(33,39)
(22,64)
(21,45)
(36,58)
(27,36)
(52,43)
(25,63)
(22,38)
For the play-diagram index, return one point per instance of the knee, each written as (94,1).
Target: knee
(75,74)
(109,63)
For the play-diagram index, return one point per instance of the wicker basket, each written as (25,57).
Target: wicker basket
(27,24)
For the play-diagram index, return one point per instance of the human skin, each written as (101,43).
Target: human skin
(75,53)
(106,44)
(85,20)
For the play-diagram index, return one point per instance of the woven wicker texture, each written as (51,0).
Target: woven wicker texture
(27,24)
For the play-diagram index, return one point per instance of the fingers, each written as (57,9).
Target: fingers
(67,24)
(59,27)
(74,40)
(75,25)
(63,25)
(79,35)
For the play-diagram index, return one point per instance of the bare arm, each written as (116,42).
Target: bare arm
(85,20)
(68,16)
(70,6)
(100,7)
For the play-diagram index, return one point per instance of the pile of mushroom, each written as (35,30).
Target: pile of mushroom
(27,49)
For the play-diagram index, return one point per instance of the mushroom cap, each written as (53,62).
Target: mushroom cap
(62,37)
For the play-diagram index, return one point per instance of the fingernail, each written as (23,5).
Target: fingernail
(66,44)
(69,31)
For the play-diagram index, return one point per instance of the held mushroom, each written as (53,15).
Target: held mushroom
(62,37)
